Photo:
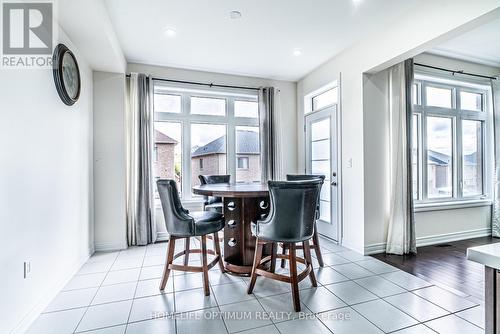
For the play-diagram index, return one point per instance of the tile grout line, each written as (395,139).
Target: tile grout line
(263,297)
(135,291)
(97,291)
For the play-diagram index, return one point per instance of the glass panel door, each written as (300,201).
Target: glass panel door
(322,160)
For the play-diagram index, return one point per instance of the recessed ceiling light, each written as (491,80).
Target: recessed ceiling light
(235,14)
(297,52)
(170,32)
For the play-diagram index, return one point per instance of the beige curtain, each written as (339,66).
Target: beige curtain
(401,234)
(141,229)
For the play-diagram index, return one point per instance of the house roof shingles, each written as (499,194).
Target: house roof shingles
(442,159)
(161,138)
(247,143)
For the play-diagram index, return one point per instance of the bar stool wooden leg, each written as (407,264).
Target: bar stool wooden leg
(283,252)
(256,261)
(273,257)
(168,262)
(186,249)
(204,264)
(317,249)
(217,251)
(293,275)
(206,285)
(307,255)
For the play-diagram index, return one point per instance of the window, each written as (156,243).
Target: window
(448,157)
(471,101)
(320,147)
(205,132)
(242,163)
(168,151)
(325,99)
(438,97)
(208,145)
(439,157)
(246,109)
(167,103)
(472,162)
(248,154)
(208,106)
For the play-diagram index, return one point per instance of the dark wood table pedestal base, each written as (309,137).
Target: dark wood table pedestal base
(492,300)
(239,244)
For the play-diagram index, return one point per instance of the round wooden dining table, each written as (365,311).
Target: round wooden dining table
(242,205)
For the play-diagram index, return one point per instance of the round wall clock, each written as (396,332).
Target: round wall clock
(66,74)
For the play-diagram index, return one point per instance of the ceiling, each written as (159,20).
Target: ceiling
(480,45)
(261,43)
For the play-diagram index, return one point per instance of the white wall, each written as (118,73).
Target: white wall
(109,161)
(435,226)
(376,156)
(46,204)
(286,103)
(404,38)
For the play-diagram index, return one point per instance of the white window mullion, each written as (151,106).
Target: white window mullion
(458,158)
(186,147)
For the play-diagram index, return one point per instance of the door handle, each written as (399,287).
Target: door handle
(334,183)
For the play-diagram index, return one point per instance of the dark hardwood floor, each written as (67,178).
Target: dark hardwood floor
(445,265)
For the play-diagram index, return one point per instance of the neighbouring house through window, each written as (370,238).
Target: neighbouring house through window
(451,120)
(242,162)
(205,132)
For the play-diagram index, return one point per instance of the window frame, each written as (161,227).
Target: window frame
(319,93)
(457,115)
(186,118)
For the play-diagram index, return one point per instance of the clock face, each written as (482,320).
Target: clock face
(70,75)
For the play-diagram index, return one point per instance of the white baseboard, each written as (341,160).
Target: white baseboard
(449,237)
(162,236)
(434,239)
(49,295)
(349,245)
(375,248)
(110,246)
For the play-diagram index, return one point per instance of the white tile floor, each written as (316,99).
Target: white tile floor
(117,293)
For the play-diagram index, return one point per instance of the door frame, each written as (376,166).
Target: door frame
(336,126)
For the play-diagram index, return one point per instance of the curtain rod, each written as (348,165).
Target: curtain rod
(201,83)
(456,72)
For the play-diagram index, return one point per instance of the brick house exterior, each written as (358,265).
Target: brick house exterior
(163,156)
(211,158)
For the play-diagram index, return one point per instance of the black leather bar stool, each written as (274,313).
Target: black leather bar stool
(213,203)
(290,221)
(181,224)
(315,241)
